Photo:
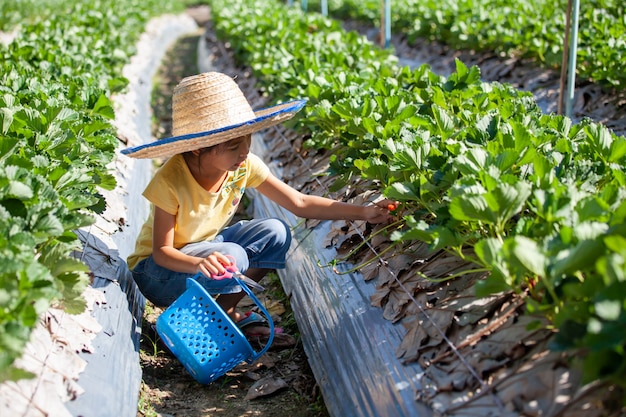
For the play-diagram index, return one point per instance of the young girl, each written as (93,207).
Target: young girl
(195,194)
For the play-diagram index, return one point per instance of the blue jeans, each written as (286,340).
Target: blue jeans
(257,243)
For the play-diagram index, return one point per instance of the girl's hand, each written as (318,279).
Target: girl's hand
(381,211)
(213,264)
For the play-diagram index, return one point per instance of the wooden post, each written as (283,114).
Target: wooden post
(385,23)
(568,13)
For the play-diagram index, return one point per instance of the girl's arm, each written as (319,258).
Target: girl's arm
(167,256)
(316,207)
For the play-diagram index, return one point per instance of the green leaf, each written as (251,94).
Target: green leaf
(493,284)
(68,265)
(529,254)
(600,137)
(11,373)
(402,191)
(46,225)
(7,147)
(507,200)
(581,257)
(472,161)
(73,283)
(618,150)
(443,121)
(75,305)
(7,115)
(472,208)
(593,208)
(104,107)
(436,236)
(489,251)
(18,190)
(609,309)
(373,168)
(570,332)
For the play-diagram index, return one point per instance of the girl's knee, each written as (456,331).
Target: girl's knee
(281,233)
(276,241)
(238,252)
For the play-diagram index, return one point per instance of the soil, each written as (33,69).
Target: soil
(167,388)
(280,383)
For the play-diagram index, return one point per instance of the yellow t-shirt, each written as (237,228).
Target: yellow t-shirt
(200,215)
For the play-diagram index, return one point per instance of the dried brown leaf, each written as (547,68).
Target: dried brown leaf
(409,349)
(471,309)
(264,387)
(371,271)
(399,262)
(379,298)
(394,308)
(444,266)
(311,223)
(334,234)
(380,239)
(437,323)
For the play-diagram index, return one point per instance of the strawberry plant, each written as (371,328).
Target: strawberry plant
(56,146)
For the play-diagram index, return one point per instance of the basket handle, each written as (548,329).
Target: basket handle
(193,281)
(265,313)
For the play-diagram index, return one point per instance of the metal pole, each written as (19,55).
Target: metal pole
(289,2)
(571,67)
(304,5)
(385,23)
(324,7)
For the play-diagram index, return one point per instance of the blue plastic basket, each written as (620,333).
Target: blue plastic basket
(203,337)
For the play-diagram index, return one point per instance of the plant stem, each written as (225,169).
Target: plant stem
(458,274)
(376,233)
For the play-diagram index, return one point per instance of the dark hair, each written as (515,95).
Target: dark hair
(189,154)
(202,150)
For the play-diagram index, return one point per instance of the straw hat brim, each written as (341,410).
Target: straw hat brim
(264,118)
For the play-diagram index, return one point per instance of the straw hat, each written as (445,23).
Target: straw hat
(208,109)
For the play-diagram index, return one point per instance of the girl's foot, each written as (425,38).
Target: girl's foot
(254,325)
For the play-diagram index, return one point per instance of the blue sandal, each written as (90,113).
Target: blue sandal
(251,318)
